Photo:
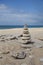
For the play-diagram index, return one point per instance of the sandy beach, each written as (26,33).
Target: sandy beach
(7,46)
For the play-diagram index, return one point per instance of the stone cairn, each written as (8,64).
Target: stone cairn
(26,38)
(26,35)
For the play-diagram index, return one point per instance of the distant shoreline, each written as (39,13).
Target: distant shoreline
(19,26)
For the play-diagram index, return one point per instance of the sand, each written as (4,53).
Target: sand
(35,32)
(14,45)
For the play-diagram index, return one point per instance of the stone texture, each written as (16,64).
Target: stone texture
(19,55)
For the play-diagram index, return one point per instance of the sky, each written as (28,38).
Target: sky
(19,12)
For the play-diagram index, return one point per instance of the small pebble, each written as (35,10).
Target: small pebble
(1,57)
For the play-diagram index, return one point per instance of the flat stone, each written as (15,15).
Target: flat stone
(26,45)
(13,38)
(20,35)
(19,55)
(6,52)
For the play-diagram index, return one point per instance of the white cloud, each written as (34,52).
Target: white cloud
(7,14)
(2,6)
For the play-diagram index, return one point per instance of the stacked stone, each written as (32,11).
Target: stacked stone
(26,35)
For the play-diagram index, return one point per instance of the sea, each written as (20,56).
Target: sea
(19,26)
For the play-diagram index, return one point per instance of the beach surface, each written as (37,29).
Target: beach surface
(35,32)
(8,45)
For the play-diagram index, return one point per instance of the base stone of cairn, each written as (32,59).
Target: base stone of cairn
(26,38)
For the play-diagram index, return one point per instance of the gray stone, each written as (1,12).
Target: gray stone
(6,52)
(13,38)
(26,46)
(20,35)
(1,57)
(19,55)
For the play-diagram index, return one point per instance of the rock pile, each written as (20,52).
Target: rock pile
(26,39)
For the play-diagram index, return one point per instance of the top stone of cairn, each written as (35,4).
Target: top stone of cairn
(25,27)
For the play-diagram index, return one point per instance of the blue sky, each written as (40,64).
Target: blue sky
(19,12)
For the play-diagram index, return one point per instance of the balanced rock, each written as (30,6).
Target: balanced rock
(26,39)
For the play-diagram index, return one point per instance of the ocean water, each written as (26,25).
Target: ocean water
(18,26)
